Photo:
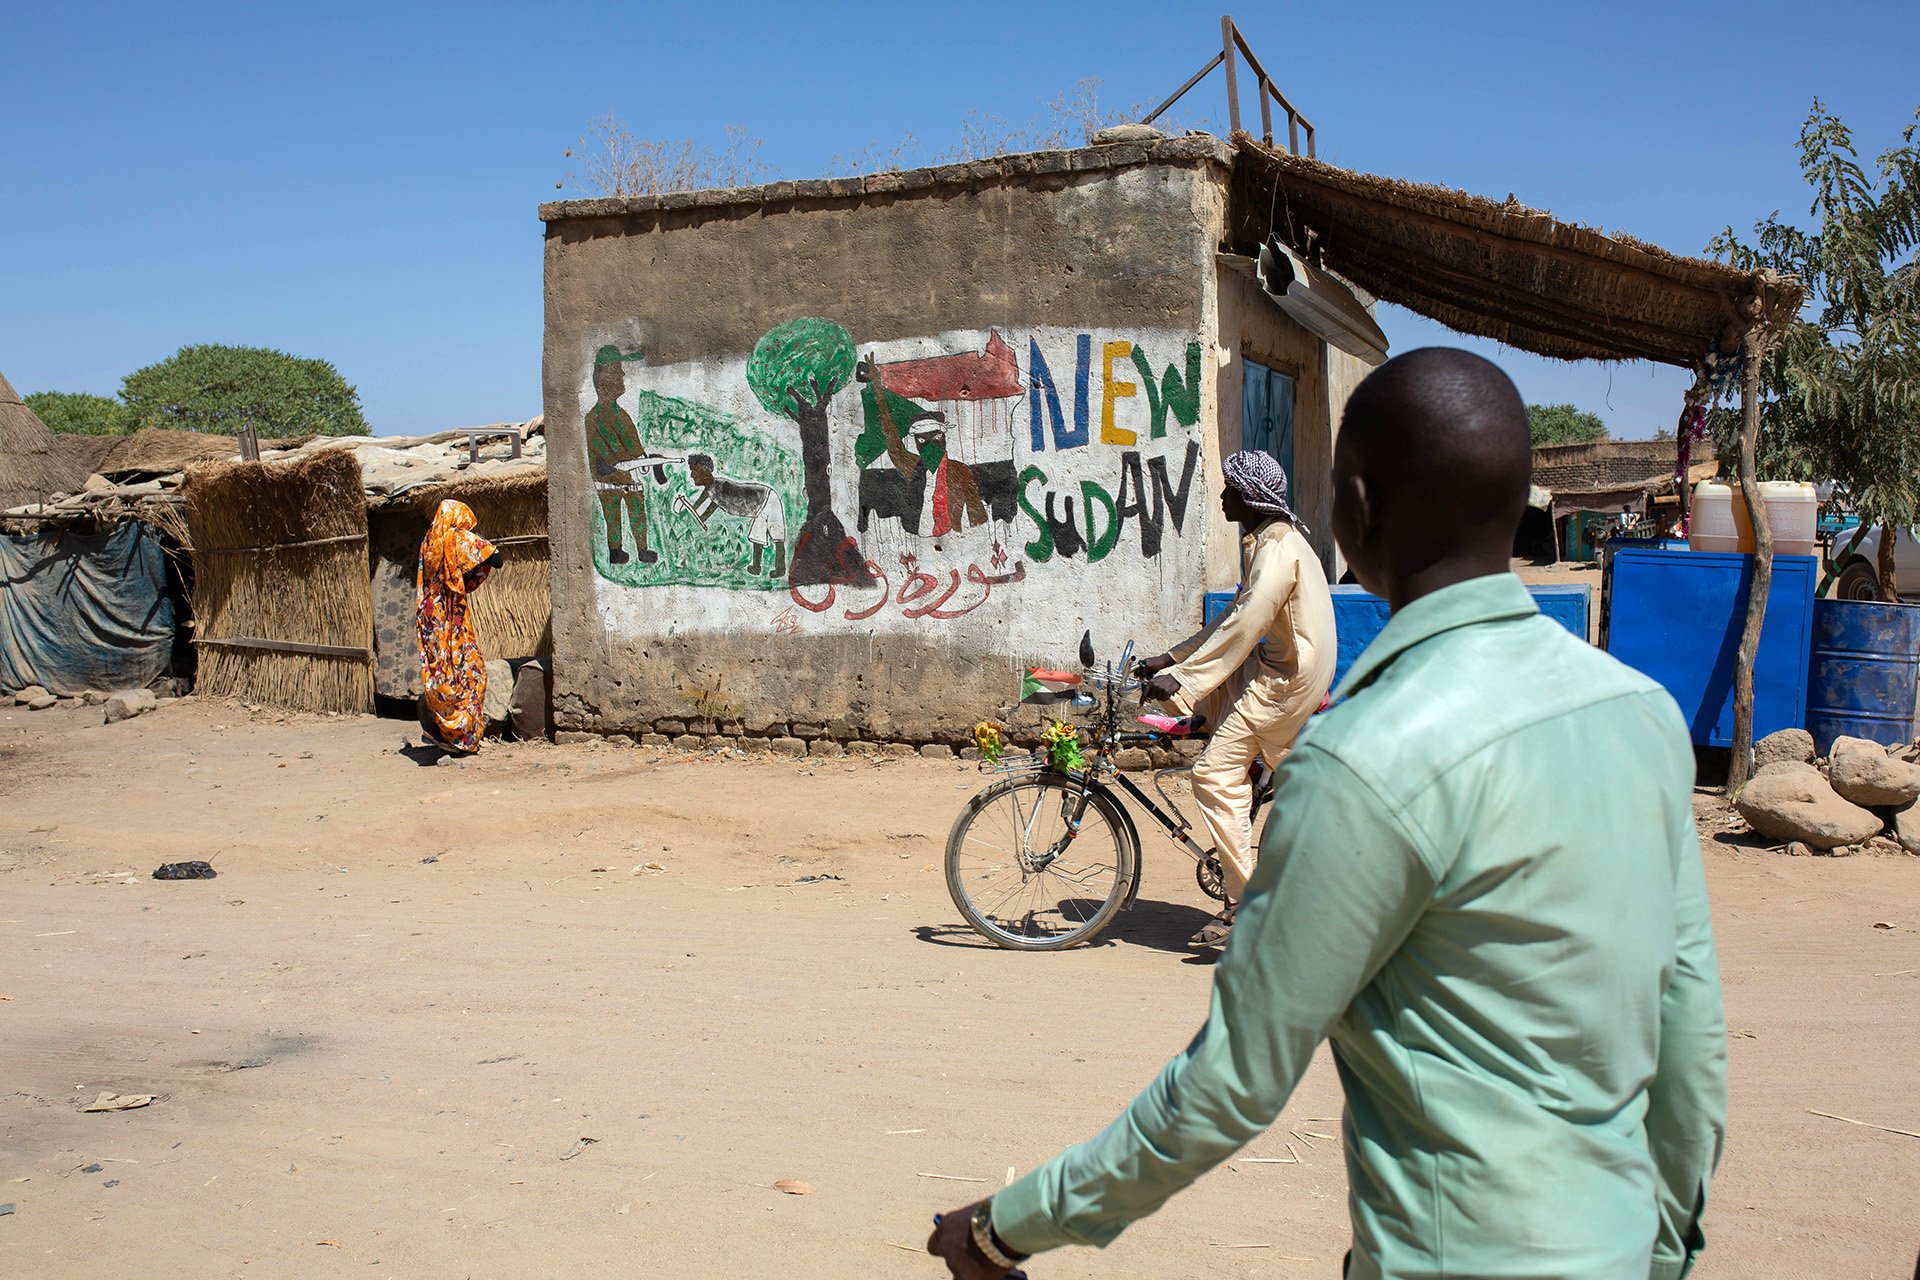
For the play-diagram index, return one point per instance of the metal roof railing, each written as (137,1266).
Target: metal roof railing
(1232,43)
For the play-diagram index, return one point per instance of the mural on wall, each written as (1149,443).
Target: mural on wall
(962,472)
(795,371)
(684,494)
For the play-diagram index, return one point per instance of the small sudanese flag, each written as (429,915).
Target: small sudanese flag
(1043,688)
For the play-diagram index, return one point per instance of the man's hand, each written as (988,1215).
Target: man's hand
(952,1243)
(1152,666)
(1162,688)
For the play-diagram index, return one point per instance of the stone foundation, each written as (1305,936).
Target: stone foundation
(816,742)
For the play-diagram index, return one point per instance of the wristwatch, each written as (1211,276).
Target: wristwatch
(988,1243)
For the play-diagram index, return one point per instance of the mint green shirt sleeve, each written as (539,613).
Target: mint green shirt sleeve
(1339,884)
(1687,1100)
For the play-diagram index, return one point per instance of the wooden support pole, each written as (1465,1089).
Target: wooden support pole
(1227,35)
(1740,767)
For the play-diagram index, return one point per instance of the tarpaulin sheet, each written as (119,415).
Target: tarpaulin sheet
(84,611)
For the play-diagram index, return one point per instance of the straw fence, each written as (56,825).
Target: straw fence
(281,606)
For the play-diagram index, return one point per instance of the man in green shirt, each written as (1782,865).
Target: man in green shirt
(612,440)
(1509,949)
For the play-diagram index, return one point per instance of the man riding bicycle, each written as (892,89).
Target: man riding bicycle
(1256,673)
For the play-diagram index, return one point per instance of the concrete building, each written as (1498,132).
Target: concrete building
(846,455)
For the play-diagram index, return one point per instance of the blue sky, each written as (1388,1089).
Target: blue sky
(358,182)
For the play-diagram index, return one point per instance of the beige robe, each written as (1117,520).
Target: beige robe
(1257,673)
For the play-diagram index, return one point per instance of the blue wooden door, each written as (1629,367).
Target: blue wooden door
(1266,415)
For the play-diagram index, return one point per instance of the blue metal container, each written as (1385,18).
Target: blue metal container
(1677,616)
(1566,605)
(1358,616)
(1865,677)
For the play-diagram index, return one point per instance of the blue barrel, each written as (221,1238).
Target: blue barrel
(1865,674)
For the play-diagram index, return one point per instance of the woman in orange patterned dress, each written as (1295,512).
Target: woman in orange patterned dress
(453,561)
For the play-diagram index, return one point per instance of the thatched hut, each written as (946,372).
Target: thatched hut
(280,597)
(512,615)
(275,556)
(33,466)
(88,596)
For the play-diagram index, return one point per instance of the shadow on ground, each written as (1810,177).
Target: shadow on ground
(1157,926)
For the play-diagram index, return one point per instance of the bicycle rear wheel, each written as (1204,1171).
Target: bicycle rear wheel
(1024,878)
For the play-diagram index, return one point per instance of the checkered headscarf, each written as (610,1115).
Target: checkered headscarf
(1259,479)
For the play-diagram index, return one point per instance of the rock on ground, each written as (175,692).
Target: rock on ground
(499,701)
(28,694)
(1780,766)
(41,701)
(1864,773)
(1798,804)
(532,709)
(1905,828)
(128,703)
(1788,744)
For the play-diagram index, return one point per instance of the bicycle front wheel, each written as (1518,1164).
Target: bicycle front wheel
(1022,874)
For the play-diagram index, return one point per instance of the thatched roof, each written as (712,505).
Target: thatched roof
(158,451)
(1614,464)
(32,466)
(1499,269)
(83,452)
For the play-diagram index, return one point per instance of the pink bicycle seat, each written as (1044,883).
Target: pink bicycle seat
(1172,726)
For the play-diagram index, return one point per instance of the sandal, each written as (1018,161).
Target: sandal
(1214,933)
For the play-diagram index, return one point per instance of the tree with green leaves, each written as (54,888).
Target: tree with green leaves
(80,413)
(223,389)
(795,371)
(1842,382)
(1563,424)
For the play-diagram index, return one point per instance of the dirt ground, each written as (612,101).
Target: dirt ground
(383,1037)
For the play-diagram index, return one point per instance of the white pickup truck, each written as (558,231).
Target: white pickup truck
(1859,568)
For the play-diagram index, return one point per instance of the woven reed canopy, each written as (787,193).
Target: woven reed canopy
(1499,269)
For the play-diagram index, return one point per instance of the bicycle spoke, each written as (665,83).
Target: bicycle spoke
(1012,866)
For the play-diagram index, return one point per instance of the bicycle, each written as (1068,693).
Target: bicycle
(1043,859)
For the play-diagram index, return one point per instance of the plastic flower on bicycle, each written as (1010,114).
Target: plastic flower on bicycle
(987,737)
(1062,742)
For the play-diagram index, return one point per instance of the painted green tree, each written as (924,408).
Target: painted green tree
(795,371)
(1841,386)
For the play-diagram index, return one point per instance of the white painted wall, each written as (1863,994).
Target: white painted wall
(998,588)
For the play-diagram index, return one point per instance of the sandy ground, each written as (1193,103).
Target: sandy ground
(383,1036)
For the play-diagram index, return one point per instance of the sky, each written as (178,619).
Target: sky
(358,182)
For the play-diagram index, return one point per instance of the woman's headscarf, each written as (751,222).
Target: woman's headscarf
(1261,483)
(452,549)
